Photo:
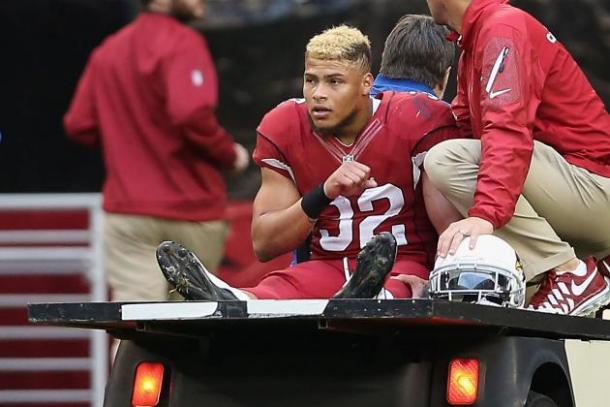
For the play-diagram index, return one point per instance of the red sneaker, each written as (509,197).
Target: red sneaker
(579,292)
(604,266)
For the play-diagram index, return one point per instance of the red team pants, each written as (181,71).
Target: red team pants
(321,279)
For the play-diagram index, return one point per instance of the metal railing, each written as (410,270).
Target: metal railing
(55,252)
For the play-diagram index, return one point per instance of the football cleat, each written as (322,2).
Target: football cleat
(183,270)
(375,261)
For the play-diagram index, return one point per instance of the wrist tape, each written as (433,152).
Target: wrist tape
(314,202)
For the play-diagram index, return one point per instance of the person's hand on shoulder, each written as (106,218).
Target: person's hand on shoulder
(242,158)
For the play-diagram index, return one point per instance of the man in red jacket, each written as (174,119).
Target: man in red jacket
(537,173)
(148,96)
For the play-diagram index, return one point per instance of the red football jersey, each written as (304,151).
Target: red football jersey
(393,144)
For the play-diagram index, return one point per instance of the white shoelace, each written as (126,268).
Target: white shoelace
(383,294)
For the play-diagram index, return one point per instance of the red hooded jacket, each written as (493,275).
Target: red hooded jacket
(517,84)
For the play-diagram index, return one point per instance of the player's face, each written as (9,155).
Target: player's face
(187,10)
(438,11)
(335,92)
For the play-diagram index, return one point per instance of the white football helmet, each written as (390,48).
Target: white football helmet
(489,274)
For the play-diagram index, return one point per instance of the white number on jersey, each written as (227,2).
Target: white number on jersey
(367,227)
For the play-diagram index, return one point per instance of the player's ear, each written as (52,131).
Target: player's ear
(367,83)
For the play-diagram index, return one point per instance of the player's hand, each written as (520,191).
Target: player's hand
(350,179)
(451,238)
(417,284)
(242,158)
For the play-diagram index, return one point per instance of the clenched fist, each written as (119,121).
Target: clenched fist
(350,179)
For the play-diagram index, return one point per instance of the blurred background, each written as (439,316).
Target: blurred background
(50,245)
(257,46)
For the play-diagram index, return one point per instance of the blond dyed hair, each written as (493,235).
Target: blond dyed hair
(342,43)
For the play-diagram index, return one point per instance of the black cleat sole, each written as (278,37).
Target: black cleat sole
(183,270)
(375,261)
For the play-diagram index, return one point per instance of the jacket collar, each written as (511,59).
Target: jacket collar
(384,84)
(472,14)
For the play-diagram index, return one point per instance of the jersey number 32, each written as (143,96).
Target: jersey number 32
(366,229)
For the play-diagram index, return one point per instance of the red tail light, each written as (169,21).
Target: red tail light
(463,382)
(147,384)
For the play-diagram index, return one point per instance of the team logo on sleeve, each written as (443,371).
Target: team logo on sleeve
(497,68)
(500,76)
(197,77)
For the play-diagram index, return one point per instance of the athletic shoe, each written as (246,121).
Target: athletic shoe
(578,293)
(375,261)
(183,270)
(604,266)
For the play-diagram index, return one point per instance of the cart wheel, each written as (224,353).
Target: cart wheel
(539,400)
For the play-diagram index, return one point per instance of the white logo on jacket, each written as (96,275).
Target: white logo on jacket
(197,77)
(497,68)
(493,94)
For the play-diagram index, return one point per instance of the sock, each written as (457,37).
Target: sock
(242,296)
(580,270)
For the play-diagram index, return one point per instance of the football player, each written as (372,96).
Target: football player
(343,167)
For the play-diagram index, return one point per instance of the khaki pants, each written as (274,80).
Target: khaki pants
(130,246)
(564,210)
